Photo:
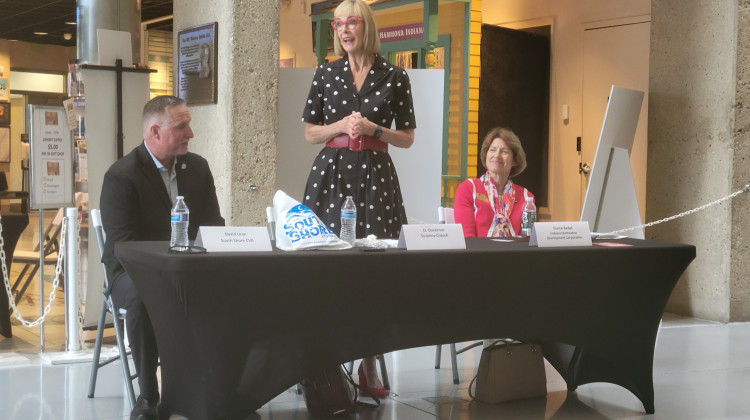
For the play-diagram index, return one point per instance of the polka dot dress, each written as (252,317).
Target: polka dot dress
(368,176)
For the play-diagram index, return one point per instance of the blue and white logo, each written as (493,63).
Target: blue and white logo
(301,224)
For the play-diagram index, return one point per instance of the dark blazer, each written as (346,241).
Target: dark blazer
(135,204)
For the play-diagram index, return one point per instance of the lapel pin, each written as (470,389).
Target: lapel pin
(184,166)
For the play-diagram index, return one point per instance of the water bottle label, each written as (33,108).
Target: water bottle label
(183,217)
(348,215)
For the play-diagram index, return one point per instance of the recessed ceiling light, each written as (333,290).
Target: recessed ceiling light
(67,36)
(40,33)
(70,23)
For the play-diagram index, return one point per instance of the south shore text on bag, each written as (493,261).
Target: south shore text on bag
(297,227)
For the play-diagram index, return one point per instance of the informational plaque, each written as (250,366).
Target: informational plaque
(196,64)
(51,160)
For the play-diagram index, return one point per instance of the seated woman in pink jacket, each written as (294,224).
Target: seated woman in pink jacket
(491,206)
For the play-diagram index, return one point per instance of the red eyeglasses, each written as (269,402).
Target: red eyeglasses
(351,23)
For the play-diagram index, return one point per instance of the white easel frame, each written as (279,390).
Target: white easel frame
(611,202)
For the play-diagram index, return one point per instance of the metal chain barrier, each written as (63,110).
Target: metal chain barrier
(684,213)
(55,283)
(78,277)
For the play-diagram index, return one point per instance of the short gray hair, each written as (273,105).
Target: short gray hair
(158,106)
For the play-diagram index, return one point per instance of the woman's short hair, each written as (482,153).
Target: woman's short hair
(360,9)
(511,139)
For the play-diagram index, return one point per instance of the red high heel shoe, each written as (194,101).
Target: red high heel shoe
(366,390)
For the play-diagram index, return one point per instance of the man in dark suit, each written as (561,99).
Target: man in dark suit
(137,197)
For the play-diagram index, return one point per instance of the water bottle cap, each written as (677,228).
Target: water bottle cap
(180,197)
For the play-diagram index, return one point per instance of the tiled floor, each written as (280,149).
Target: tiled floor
(701,371)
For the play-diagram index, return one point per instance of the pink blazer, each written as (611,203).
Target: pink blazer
(474,213)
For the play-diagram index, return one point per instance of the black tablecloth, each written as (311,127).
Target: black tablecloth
(13,226)
(236,329)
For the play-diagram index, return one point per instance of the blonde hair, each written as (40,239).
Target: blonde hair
(514,144)
(358,8)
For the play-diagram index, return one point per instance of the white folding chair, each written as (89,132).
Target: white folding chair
(445,216)
(271,216)
(108,306)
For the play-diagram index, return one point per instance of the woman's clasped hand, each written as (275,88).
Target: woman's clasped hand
(356,125)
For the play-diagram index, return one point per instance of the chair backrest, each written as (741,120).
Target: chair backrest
(271,216)
(445,215)
(96,222)
(50,234)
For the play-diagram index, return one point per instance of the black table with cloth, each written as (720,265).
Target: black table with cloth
(236,329)
(13,227)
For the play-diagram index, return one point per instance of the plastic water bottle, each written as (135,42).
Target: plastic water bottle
(180,222)
(348,221)
(528,217)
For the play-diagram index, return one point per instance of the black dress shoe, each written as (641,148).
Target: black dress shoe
(145,409)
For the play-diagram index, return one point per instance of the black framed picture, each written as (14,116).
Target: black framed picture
(197,51)
(4,113)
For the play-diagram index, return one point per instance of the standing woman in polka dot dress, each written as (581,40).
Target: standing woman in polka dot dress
(350,109)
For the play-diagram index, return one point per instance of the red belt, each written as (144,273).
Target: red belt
(357,144)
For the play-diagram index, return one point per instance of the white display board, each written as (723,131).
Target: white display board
(419,167)
(51,166)
(112,45)
(611,201)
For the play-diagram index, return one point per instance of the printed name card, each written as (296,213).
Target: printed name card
(233,239)
(419,237)
(552,234)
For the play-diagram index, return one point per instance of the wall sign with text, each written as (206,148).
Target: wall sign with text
(51,166)
(196,64)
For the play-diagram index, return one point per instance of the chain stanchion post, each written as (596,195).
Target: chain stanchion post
(74,352)
(72,337)
(41,279)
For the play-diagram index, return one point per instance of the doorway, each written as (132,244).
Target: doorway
(514,93)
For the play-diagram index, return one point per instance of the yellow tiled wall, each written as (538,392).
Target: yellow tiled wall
(455,152)
(474,68)
(450,22)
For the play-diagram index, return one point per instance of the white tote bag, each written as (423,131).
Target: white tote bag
(297,227)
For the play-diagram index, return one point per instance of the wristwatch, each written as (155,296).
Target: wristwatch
(378,132)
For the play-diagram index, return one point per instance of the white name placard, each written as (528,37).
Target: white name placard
(417,237)
(552,234)
(233,238)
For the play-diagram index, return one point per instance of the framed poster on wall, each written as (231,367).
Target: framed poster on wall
(4,113)
(4,91)
(196,64)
